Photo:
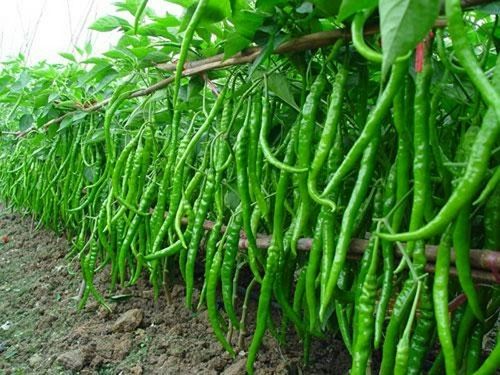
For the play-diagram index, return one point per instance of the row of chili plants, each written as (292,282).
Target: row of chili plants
(331,148)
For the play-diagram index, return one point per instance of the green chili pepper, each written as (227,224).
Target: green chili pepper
(492,363)
(364,316)
(475,348)
(468,184)
(371,128)
(440,297)
(399,313)
(327,136)
(242,179)
(212,302)
(228,265)
(306,130)
(358,195)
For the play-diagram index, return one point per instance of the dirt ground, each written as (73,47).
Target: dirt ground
(42,332)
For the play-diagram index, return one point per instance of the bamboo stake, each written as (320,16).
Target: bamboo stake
(485,263)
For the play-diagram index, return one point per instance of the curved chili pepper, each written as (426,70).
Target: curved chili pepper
(227,268)
(357,196)
(440,298)
(364,316)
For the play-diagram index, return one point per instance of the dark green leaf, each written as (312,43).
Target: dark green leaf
(266,52)
(66,122)
(70,120)
(231,200)
(96,137)
(41,100)
(267,5)
(239,5)
(79,116)
(52,131)
(350,7)
(327,8)
(216,11)
(120,54)
(278,84)
(247,22)
(155,57)
(492,8)
(403,24)
(234,44)
(25,122)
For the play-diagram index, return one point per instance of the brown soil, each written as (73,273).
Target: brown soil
(42,332)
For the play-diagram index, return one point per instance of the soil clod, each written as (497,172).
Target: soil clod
(129,321)
(72,360)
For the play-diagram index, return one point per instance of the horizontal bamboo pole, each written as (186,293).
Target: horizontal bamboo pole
(302,43)
(485,264)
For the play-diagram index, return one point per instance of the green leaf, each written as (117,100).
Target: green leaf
(120,54)
(492,8)
(88,48)
(25,122)
(234,44)
(265,53)
(247,22)
(70,120)
(327,8)
(183,3)
(267,5)
(109,23)
(95,60)
(96,137)
(23,81)
(239,5)
(130,6)
(68,56)
(97,73)
(403,24)
(216,11)
(231,200)
(130,41)
(278,84)
(79,116)
(4,82)
(41,100)
(166,21)
(66,122)
(350,7)
(53,96)
(155,57)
